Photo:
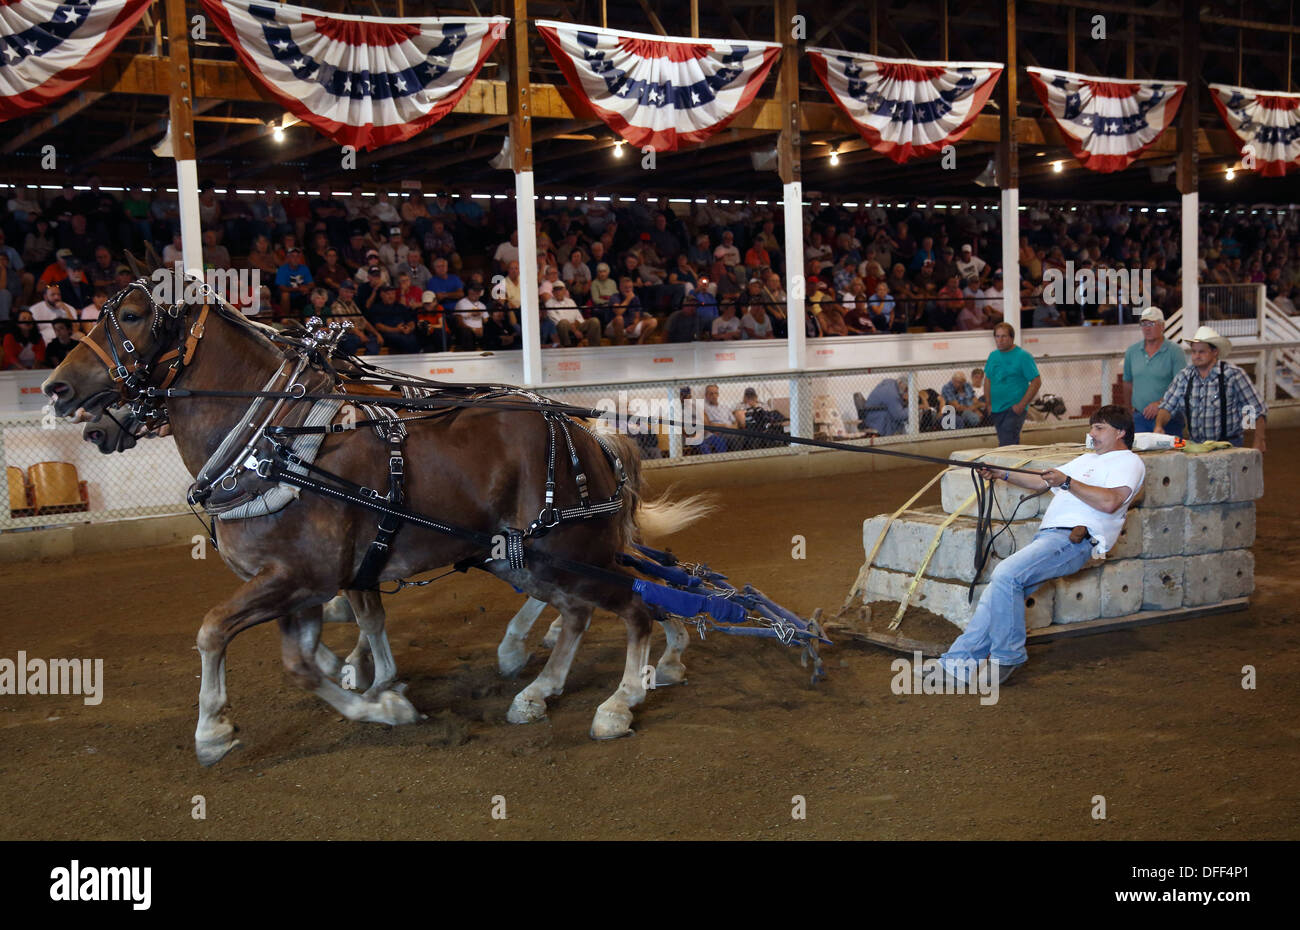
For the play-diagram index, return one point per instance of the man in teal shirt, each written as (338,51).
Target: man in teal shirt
(1011,380)
(1149,368)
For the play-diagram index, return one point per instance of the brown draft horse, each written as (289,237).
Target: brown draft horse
(479,468)
(370,662)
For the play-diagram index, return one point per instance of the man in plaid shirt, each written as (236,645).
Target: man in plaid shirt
(1217,397)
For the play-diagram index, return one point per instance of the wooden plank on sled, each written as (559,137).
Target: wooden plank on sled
(1130,621)
(891,641)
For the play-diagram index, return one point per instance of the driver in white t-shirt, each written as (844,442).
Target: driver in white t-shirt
(1090,499)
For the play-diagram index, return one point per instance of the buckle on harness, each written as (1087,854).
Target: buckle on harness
(370,493)
(129,346)
(395,463)
(263,468)
(119,373)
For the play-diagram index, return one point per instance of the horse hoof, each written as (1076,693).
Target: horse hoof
(553,633)
(526,710)
(212,751)
(668,674)
(511,666)
(611,725)
(395,709)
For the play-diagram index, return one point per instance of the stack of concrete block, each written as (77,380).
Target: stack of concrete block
(1185,543)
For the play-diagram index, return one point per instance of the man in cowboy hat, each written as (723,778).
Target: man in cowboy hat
(1150,366)
(1216,397)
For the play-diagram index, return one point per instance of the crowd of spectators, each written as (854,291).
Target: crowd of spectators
(441,272)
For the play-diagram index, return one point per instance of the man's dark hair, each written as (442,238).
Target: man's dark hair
(1120,418)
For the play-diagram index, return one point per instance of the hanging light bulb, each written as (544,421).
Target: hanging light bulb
(278,134)
(835,158)
(1230,174)
(618,149)
(1058,166)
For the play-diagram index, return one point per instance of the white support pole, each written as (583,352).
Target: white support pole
(796,293)
(187,196)
(675,434)
(1190,234)
(1010,210)
(913,405)
(529,300)
(1105,381)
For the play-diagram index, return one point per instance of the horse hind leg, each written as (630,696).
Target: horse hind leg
(389,707)
(529,704)
(614,717)
(356,672)
(512,653)
(670,670)
(552,633)
(369,609)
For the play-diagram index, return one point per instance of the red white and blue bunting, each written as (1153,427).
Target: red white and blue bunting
(906,109)
(655,91)
(1107,123)
(48,48)
(364,81)
(1267,122)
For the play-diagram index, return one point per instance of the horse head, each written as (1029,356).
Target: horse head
(115,431)
(114,363)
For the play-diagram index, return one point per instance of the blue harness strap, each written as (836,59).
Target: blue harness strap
(688,603)
(669,574)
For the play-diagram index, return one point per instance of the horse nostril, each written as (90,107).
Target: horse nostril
(95,436)
(57,389)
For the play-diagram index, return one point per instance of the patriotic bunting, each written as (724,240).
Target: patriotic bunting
(47,48)
(906,109)
(1268,123)
(659,92)
(1107,124)
(364,81)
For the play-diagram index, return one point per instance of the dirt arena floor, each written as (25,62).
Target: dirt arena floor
(1154,719)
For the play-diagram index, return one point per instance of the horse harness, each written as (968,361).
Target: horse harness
(257,446)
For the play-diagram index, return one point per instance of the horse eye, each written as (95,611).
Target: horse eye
(130,317)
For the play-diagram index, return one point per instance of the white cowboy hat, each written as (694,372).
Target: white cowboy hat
(1205,334)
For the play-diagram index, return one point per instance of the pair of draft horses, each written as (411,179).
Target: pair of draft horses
(475,467)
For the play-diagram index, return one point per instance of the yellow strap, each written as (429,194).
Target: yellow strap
(864,574)
(934,545)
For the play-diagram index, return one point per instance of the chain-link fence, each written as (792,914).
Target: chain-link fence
(57,478)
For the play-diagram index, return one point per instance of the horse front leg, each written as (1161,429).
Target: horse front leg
(512,653)
(262,598)
(614,717)
(529,704)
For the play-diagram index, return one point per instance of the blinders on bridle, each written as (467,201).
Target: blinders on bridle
(134,383)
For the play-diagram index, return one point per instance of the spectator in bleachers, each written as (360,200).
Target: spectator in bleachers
(269,219)
(468,316)
(571,327)
(684,324)
(416,215)
(25,346)
(11,289)
(756,324)
(886,316)
(294,282)
(415,267)
(445,284)
(507,252)
(856,309)
(363,335)
(215,255)
(961,396)
(727,326)
(89,314)
(39,244)
(51,307)
(331,272)
(103,270)
(629,323)
(57,349)
(395,322)
(499,334)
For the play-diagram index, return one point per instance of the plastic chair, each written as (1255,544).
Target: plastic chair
(19,504)
(55,487)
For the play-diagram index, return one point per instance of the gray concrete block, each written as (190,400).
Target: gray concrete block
(1078,596)
(1166,479)
(910,537)
(1247,475)
(1202,529)
(1040,606)
(1161,531)
(956,486)
(1239,525)
(1121,587)
(1129,543)
(1209,477)
(1237,569)
(1162,583)
(948,599)
(1203,580)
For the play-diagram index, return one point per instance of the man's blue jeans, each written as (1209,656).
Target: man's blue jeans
(1142,425)
(997,630)
(1008,423)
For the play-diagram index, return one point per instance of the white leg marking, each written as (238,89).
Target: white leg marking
(614,717)
(512,654)
(553,634)
(671,670)
(214,735)
(529,704)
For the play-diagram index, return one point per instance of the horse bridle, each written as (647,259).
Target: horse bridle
(133,383)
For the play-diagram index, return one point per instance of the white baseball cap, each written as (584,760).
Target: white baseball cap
(1153,313)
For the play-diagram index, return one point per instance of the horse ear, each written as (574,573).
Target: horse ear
(138,269)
